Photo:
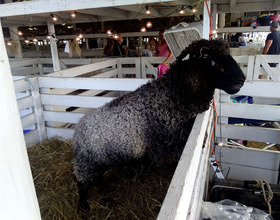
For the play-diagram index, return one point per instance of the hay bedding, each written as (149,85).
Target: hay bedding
(138,195)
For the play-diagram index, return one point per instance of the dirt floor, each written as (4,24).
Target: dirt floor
(132,192)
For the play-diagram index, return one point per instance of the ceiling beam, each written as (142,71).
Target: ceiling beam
(49,6)
(109,12)
(276,4)
(248,7)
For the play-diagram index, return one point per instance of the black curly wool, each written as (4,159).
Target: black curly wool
(156,119)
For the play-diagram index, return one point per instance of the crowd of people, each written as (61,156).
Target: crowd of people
(153,48)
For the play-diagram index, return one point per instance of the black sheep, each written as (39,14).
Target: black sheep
(156,119)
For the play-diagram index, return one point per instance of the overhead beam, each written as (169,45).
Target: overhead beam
(276,4)
(140,11)
(49,6)
(110,12)
(248,7)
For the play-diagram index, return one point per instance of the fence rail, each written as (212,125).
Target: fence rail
(140,67)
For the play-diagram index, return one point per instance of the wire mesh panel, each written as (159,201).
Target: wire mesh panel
(180,36)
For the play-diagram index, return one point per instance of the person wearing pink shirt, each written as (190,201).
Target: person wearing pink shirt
(163,51)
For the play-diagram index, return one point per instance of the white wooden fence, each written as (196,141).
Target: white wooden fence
(138,67)
(141,67)
(187,189)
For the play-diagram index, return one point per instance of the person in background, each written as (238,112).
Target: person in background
(147,52)
(272,42)
(131,50)
(153,44)
(117,48)
(163,49)
(109,47)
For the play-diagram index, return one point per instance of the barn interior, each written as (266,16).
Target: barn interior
(40,52)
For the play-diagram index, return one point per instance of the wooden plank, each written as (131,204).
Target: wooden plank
(201,186)
(250,133)
(21,85)
(241,172)
(261,88)
(25,103)
(28,120)
(250,111)
(76,71)
(38,108)
(249,163)
(18,196)
(53,46)
(44,6)
(178,198)
(31,138)
(107,74)
(24,62)
(27,71)
(75,101)
(60,132)
(91,83)
(47,69)
(67,117)
(129,71)
(250,157)
(265,69)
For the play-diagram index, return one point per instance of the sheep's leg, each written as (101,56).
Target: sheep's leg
(83,195)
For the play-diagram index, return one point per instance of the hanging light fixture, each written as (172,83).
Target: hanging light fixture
(54,18)
(149,24)
(9,43)
(20,33)
(26,41)
(80,36)
(74,15)
(182,11)
(35,40)
(49,37)
(143,29)
(147,10)
(77,38)
(109,32)
(116,36)
(193,10)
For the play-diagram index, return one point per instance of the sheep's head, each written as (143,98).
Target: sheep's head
(227,75)
(213,56)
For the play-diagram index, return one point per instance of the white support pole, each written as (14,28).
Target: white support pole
(222,20)
(18,196)
(206,21)
(215,17)
(16,41)
(54,52)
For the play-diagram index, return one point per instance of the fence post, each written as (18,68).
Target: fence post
(138,67)
(119,66)
(143,67)
(38,108)
(40,65)
(219,99)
